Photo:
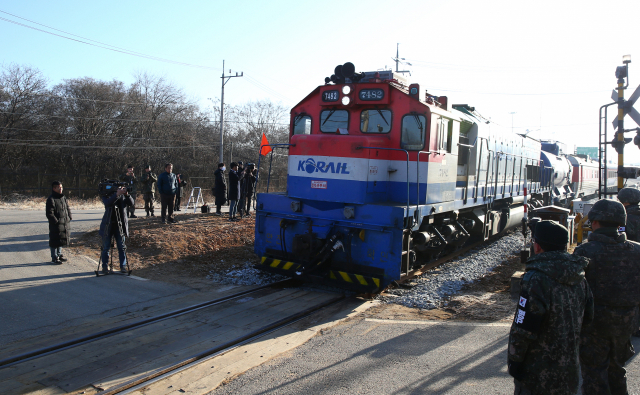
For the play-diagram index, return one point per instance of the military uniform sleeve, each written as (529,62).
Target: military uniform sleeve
(531,310)
(588,307)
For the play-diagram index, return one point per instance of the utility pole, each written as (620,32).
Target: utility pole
(225,79)
(399,60)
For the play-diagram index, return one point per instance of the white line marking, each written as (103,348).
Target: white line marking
(446,323)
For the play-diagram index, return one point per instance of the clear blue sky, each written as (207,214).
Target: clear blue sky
(550,62)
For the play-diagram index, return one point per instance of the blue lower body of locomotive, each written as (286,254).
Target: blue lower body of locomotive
(353,246)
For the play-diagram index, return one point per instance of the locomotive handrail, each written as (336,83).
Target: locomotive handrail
(418,182)
(409,225)
(255,189)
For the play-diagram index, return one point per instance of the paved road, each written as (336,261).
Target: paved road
(37,297)
(368,356)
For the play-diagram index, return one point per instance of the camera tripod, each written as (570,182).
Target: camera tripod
(98,272)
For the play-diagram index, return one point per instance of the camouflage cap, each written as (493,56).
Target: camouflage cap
(629,195)
(551,232)
(608,211)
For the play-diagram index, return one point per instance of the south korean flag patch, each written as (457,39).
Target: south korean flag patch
(524,318)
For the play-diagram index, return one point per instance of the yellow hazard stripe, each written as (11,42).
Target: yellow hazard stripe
(354,278)
(275,263)
(346,277)
(278,263)
(287,265)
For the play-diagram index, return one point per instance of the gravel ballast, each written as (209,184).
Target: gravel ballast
(432,289)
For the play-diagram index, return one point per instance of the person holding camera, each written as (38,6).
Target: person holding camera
(130,178)
(115,224)
(168,187)
(59,216)
(220,188)
(149,180)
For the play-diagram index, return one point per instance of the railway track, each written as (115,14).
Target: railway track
(131,356)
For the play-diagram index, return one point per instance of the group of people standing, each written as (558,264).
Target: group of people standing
(577,312)
(240,191)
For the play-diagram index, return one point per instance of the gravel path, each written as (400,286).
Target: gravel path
(431,289)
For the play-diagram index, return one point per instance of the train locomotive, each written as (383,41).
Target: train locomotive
(383,178)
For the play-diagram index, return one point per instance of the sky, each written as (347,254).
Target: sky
(544,66)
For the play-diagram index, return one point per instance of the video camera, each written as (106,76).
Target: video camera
(250,166)
(107,187)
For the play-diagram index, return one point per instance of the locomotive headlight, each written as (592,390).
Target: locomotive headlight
(346,89)
(346,100)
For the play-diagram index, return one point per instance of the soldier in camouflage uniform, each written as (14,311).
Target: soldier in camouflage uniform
(613,275)
(630,197)
(149,180)
(130,178)
(555,300)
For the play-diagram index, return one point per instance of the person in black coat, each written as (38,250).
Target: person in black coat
(59,216)
(181,184)
(115,206)
(234,191)
(220,188)
(250,182)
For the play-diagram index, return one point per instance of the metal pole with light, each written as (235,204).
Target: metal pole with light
(622,72)
(225,79)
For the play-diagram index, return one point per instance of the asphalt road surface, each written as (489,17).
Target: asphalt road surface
(368,356)
(37,297)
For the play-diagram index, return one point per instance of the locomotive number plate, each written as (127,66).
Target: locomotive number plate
(371,94)
(318,184)
(330,96)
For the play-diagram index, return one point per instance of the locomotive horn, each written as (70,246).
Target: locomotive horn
(333,78)
(348,70)
(327,80)
(338,71)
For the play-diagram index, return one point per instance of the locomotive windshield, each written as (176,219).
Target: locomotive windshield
(332,120)
(375,121)
(413,131)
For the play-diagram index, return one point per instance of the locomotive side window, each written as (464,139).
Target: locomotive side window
(375,121)
(413,132)
(332,120)
(445,131)
(302,124)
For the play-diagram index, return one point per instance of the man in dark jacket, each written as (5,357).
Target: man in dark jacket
(220,188)
(234,191)
(130,178)
(613,275)
(59,216)
(630,198)
(249,184)
(168,187)
(181,184)
(115,224)
(555,299)
(149,186)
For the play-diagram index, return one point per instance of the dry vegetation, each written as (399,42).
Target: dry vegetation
(16,201)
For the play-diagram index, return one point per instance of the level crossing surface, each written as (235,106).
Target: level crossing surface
(37,297)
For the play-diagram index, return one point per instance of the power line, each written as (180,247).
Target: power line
(138,120)
(517,94)
(57,146)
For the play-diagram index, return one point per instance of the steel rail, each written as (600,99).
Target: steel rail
(168,370)
(119,329)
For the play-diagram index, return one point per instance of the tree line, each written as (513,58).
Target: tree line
(83,130)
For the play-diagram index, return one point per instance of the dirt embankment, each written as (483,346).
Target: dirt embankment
(183,252)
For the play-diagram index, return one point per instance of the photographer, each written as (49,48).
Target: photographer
(181,184)
(234,191)
(131,181)
(115,224)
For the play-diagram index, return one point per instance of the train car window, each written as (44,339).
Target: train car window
(445,131)
(375,121)
(302,124)
(332,120)
(413,132)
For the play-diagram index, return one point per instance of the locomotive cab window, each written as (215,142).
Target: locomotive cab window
(375,121)
(413,132)
(332,120)
(302,124)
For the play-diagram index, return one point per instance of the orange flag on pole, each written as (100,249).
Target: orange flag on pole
(265,149)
